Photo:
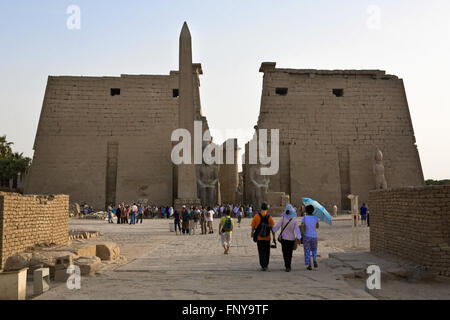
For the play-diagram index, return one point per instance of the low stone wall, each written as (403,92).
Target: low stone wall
(414,224)
(26,221)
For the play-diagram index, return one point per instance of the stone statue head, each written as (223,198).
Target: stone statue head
(378,155)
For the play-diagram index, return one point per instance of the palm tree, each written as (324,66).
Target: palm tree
(20,163)
(5,147)
(12,165)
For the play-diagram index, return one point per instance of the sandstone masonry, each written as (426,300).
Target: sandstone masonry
(331,122)
(107,140)
(26,221)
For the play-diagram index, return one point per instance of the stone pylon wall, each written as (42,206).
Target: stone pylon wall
(228,173)
(330,123)
(26,221)
(414,224)
(87,138)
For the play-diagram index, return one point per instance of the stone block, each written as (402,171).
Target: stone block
(88,264)
(63,262)
(48,259)
(85,249)
(41,280)
(107,251)
(61,275)
(18,261)
(13,285)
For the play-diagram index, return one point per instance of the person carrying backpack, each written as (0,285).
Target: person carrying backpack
(262,225)
(195,213)
(185,218)
(226,226)
(203,220)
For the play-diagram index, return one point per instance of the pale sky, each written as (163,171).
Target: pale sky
(408,38)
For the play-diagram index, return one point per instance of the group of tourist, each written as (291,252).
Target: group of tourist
(187,220)
(124,213)
(291,234)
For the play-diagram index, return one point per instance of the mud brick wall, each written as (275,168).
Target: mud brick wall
(26,221)
(414,224)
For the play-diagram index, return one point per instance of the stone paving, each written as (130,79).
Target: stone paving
(161,265)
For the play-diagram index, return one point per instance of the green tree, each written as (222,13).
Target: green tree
(431,182)
(5,147)
(11,163)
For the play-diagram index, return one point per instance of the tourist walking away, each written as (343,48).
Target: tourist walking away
(118,214)
(185,218)
(176,221)
(240,213)
(113,212)
(168,212)
(86,209)
(289,236)
(262,225)
(125,213)
(195,216)
(308,228)
(210,218)
(363,213)
(203,220)
(109,209)
(226,226)
(134,210)
(235,211)
(250,211)
(140,211)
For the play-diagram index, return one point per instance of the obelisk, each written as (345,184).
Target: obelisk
(187,179)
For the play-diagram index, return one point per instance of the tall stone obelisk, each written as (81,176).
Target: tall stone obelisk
(187,179)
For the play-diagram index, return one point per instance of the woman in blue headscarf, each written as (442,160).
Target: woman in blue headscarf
(290,233)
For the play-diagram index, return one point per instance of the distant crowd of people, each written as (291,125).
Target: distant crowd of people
(126,214)
(135,213)
(187,220)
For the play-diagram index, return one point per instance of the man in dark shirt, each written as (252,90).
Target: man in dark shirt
(363,213)
(185,217)
(176,221)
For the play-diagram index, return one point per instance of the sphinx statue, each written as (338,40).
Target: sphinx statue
(378,170)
